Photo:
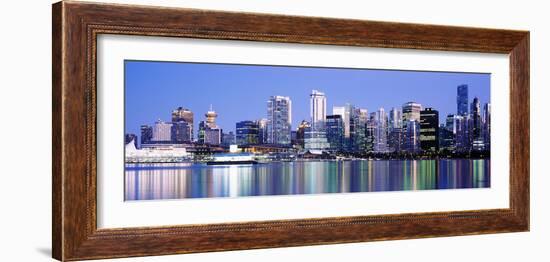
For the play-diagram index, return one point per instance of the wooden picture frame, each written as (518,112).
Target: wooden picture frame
(76,26)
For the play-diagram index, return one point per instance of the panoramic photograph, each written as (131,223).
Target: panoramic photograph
(208,130)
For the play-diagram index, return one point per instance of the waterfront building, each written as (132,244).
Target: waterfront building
(370,131)
(183,114)
(228,138)
(248,132)
(279,118)
(429,130)
(315,136)
(412,136)
(487,126)
(162,132)
(475,115)
(411,129)
(301,133)
(335,132)
(395,119)
(293,138)
(213,136)
(345,113)
(146,134)
(447,134)
(209,132)
(380,131)
(462,137)
(262,132)
(318,109)
(462,100)
(478,144)
(315,139)
(411,110)
(358,125)
(181,132)
(395,130)
(130,138)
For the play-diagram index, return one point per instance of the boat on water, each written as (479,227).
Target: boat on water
(233,159)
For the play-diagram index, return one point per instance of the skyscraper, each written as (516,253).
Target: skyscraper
(315,136)
(335,132)
(447,134)
(318,109)
(209,132)
(429,130)
(412,136)
(462,100)
(462,140)
(146,134)
(301,133)
(358,125)
(395,130)
(181,132)
(345,113)
(380,131)
(279,118)
(183,114)
(248,132)
(411,110)
(262,133)
(487,125)
(162,131)
(411,126)
(475,114)
(370,131)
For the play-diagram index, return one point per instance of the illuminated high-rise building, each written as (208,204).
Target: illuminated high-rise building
(209,132)
(345,113)
(315,136)
(475,115)
(487,125)
(380,131)
(262,132)
(183,114)
(462,100)
(248,132)
(358,124)
(412,136)
(411,110)
(318,109)
(429,130)
(335,132)
(279,119)
(395,130)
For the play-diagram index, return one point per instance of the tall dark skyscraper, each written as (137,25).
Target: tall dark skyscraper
(475,115)
(146,134)
(429,130)
(248,133)
(335,132)
(462,100)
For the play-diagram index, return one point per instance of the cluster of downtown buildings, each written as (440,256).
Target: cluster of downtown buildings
(409,129)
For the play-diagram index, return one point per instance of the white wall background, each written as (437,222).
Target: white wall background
(25,119)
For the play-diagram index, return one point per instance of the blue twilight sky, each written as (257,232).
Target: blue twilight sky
(240,92)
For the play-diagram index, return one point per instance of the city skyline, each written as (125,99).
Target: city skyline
(342,86)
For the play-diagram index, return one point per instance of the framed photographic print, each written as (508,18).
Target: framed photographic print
(182,130)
